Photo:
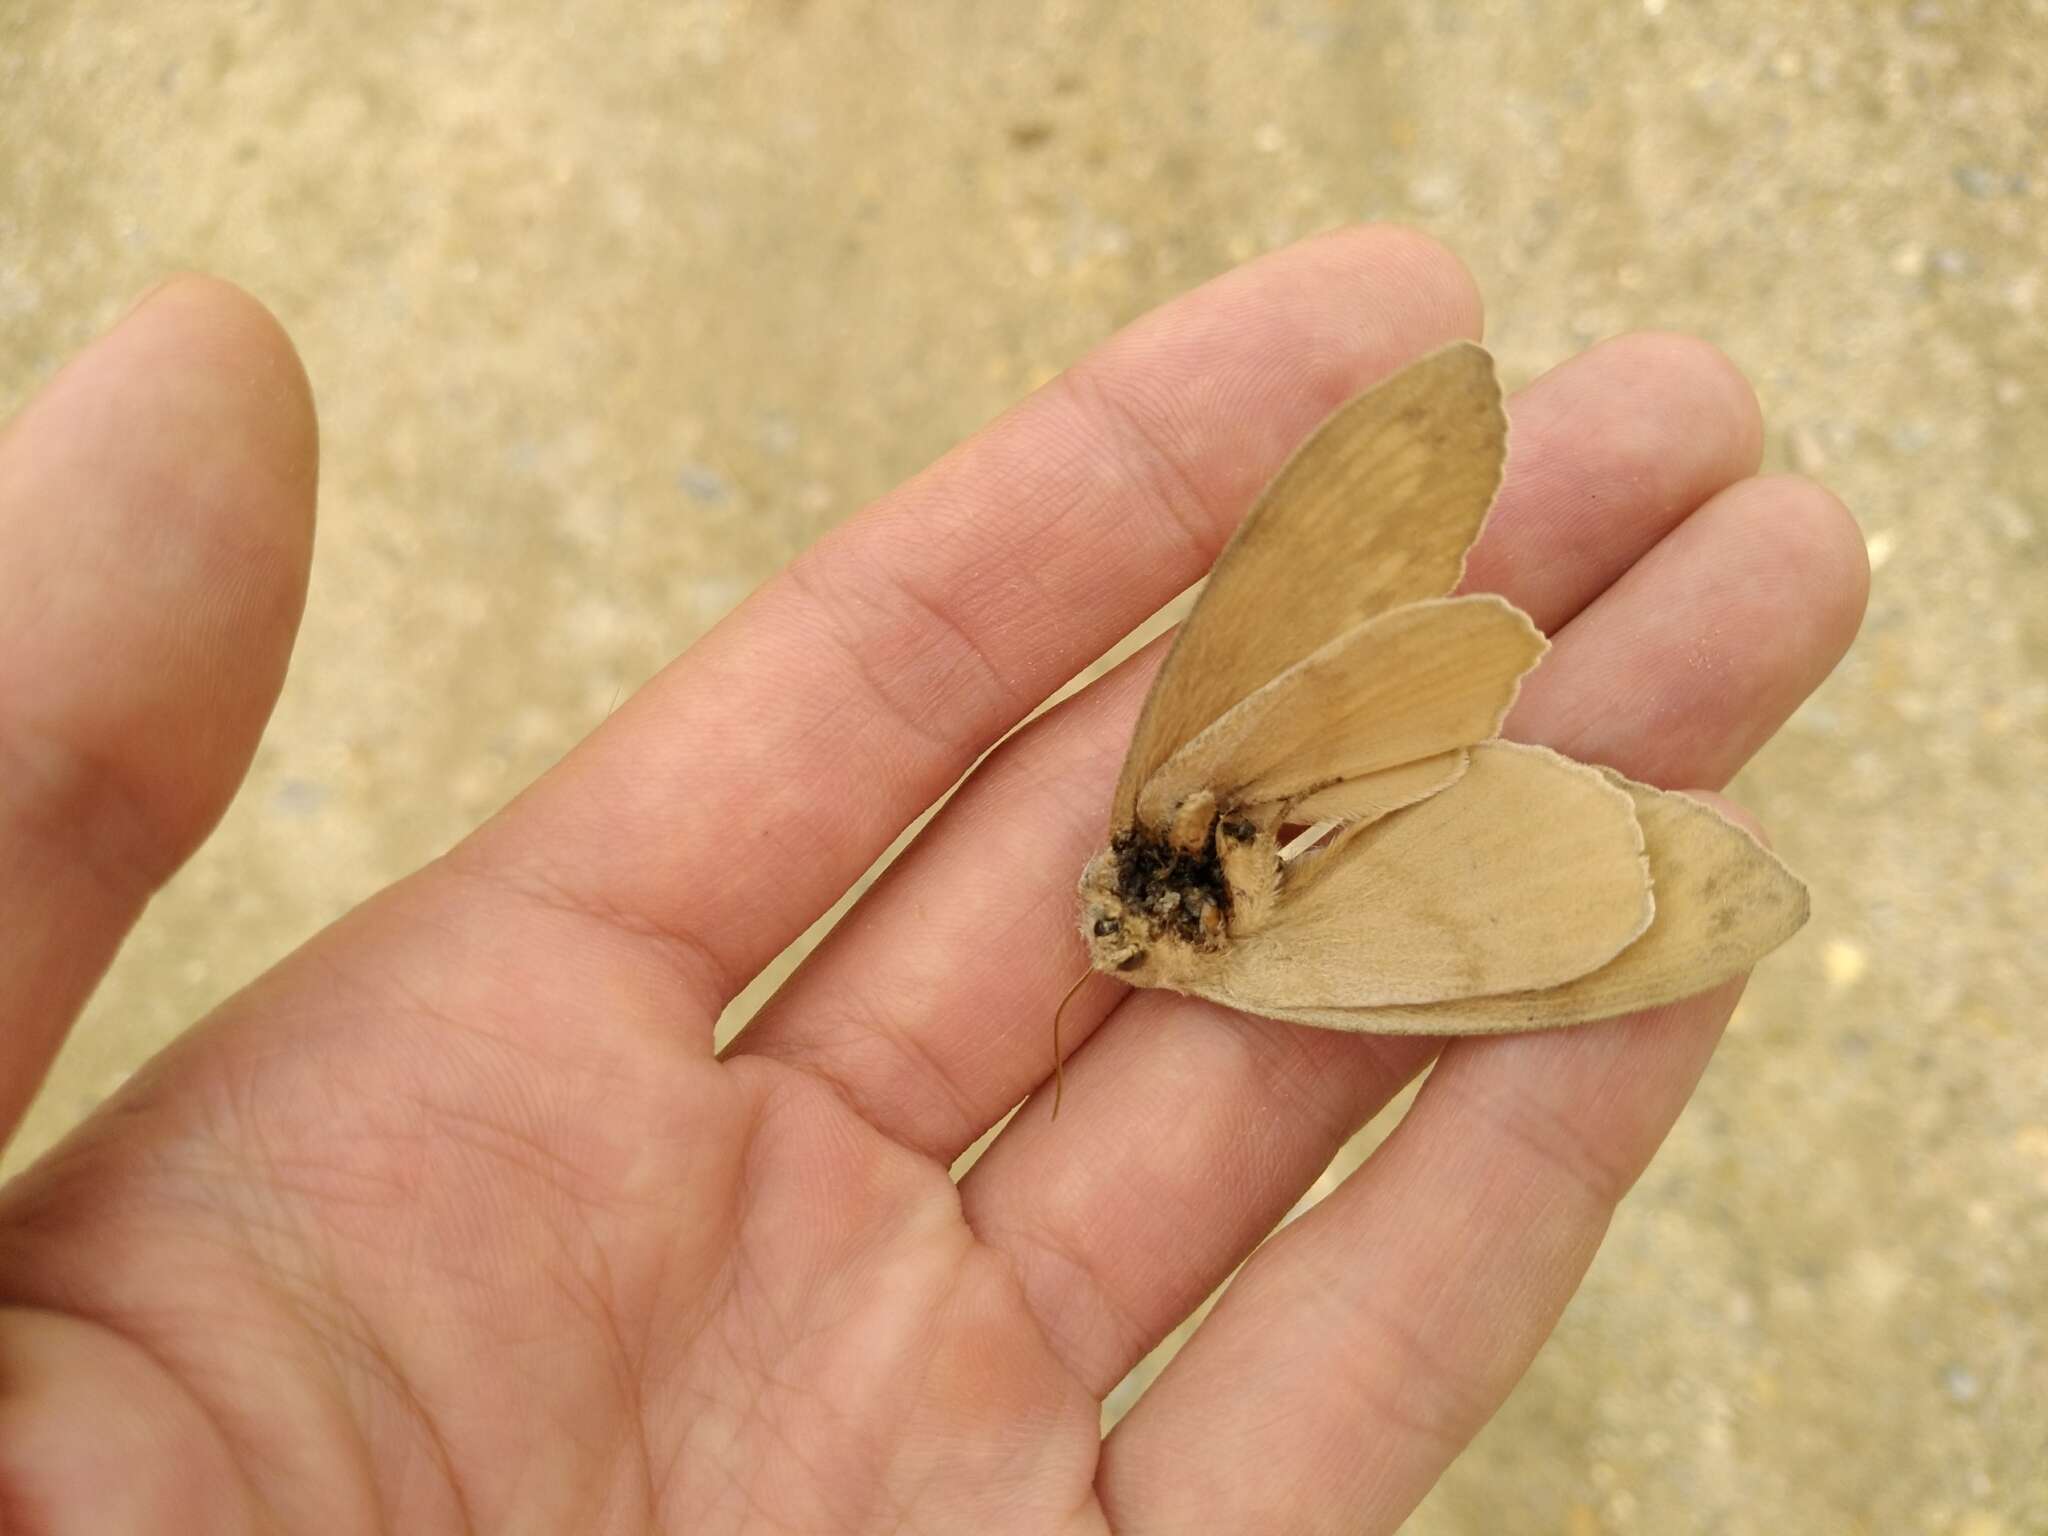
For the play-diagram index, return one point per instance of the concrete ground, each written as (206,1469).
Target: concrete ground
(611,308)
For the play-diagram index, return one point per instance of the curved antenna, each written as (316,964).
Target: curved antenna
(1059,1066)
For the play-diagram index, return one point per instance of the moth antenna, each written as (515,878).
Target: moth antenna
(1059,1064)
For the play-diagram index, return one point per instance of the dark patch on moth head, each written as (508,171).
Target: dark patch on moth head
(1181,894)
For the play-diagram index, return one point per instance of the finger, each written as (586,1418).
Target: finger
(792,744)
(1711,641)
(1606,454)
(1366,1343)
(156,505)
(930,1007)
(1190,1130)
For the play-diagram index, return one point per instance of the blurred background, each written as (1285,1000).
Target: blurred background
(611,308)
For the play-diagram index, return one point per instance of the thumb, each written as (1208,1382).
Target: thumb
(156,522)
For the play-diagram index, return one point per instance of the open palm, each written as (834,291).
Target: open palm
(455,1221)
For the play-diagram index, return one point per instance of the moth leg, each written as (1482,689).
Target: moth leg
(1249,855)
(1192,819)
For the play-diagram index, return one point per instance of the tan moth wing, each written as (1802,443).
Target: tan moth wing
(1724,901)
(1415,683)
(1320,552)
(1359,802)
(1526,872)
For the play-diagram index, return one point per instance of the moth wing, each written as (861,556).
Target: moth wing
(1359,802)
(1724,901)
(1526,872)
(1414,683)
(1375,510)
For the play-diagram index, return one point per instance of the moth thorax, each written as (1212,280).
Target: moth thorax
(1146,890)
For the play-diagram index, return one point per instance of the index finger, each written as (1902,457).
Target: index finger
(739,794)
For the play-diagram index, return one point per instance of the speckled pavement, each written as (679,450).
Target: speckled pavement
(612,308)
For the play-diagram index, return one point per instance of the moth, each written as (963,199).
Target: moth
(1317,819)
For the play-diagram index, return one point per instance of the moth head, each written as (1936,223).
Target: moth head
(1116,936)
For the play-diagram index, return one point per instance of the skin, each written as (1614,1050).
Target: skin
(454,1220)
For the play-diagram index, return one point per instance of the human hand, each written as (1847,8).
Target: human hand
(455,1220)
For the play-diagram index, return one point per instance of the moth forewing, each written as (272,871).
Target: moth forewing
(1526,872)
(1419,681)
(1375,510)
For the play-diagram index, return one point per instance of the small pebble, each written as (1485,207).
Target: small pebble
(701,484)
(1976,181)
(1845,964)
